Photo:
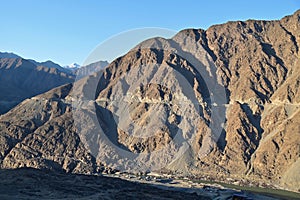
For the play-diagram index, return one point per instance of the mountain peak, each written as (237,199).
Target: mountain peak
(72,66)
(8,55)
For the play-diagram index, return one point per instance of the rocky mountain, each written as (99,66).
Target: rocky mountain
(221,102)
(89,69)
(96,66)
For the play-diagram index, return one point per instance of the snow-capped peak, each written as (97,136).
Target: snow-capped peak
(72,66)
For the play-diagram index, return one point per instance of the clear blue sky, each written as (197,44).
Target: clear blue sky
(66,31)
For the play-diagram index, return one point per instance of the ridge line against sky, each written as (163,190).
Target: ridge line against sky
(67,31)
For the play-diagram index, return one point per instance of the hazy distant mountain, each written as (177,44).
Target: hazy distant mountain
(70,69)
(8,55)
(51,64)
(21,79)
(48,63)
(81,71)
(90,69)
(257,63)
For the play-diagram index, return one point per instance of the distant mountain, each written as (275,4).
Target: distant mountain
(8,55)
(71,69)
(51,64)
(90,69)
(47,63)
(21,79)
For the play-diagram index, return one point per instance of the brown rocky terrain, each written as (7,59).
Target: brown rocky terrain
(222,102)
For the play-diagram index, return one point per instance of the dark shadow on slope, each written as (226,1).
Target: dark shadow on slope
(222,141)
(255,120)
(107,121)
(29,183)
(269,50)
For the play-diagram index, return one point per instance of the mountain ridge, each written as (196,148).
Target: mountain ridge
(23,78)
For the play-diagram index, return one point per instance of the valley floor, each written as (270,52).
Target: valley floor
(210,189)
(28,183)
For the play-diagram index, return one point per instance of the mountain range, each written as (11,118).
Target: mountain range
(221,102)
(21,78)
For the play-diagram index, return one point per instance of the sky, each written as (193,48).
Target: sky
(67,31)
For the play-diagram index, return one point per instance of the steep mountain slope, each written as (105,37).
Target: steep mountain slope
(40,133)
(259,61)
(222,102)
